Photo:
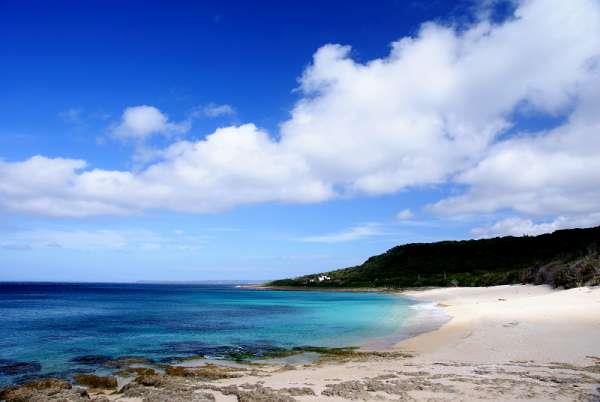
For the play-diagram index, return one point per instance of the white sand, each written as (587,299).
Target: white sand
(506,323)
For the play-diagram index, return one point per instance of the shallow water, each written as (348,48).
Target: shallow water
(60,329)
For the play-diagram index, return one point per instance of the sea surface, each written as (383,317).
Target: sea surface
(61,329)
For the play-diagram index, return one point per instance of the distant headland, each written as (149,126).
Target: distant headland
(565,258)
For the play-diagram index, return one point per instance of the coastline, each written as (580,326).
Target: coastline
(426,315)
(321,289)
(500,343)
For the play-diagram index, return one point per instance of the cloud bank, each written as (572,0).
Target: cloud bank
(433,111)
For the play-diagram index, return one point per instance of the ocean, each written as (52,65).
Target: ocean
(62,329)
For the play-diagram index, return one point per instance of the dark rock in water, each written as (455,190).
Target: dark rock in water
(188,347)
(91,360)
(94,381)
(126,361)
(11,367)
(202,348)
(129,371)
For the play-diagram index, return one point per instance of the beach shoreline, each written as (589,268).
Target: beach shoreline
(509,322)
(500,343)
(425,317)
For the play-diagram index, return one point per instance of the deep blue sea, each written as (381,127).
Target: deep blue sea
(60,329)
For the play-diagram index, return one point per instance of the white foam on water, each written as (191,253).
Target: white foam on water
(424,317)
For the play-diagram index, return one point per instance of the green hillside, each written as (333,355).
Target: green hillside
(566,258)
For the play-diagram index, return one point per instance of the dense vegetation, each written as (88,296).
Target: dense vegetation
(566,258)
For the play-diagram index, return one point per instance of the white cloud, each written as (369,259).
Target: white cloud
(405,214)
(521,226)
(555,172)
(350,234)
(214,110)
(97,240)
(430,112)
(438,100)
(232,166)
(516,227)
(140,122)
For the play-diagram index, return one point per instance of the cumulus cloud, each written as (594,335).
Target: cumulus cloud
(430,112)
(140,122)
(553,172)
(350,234)
(234,165)
(438,100)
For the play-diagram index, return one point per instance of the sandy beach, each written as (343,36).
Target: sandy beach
(507,323)
(502,343)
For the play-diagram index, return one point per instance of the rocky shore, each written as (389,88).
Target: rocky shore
(361,376)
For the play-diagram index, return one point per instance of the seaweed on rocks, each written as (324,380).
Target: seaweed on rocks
(41,390)
(95,381)
(130,371)
(126,361)
(206,372)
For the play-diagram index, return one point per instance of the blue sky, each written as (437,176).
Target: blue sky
(229,140)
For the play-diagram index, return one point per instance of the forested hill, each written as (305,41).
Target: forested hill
(566,258)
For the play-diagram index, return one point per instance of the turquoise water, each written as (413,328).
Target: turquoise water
(59,329)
